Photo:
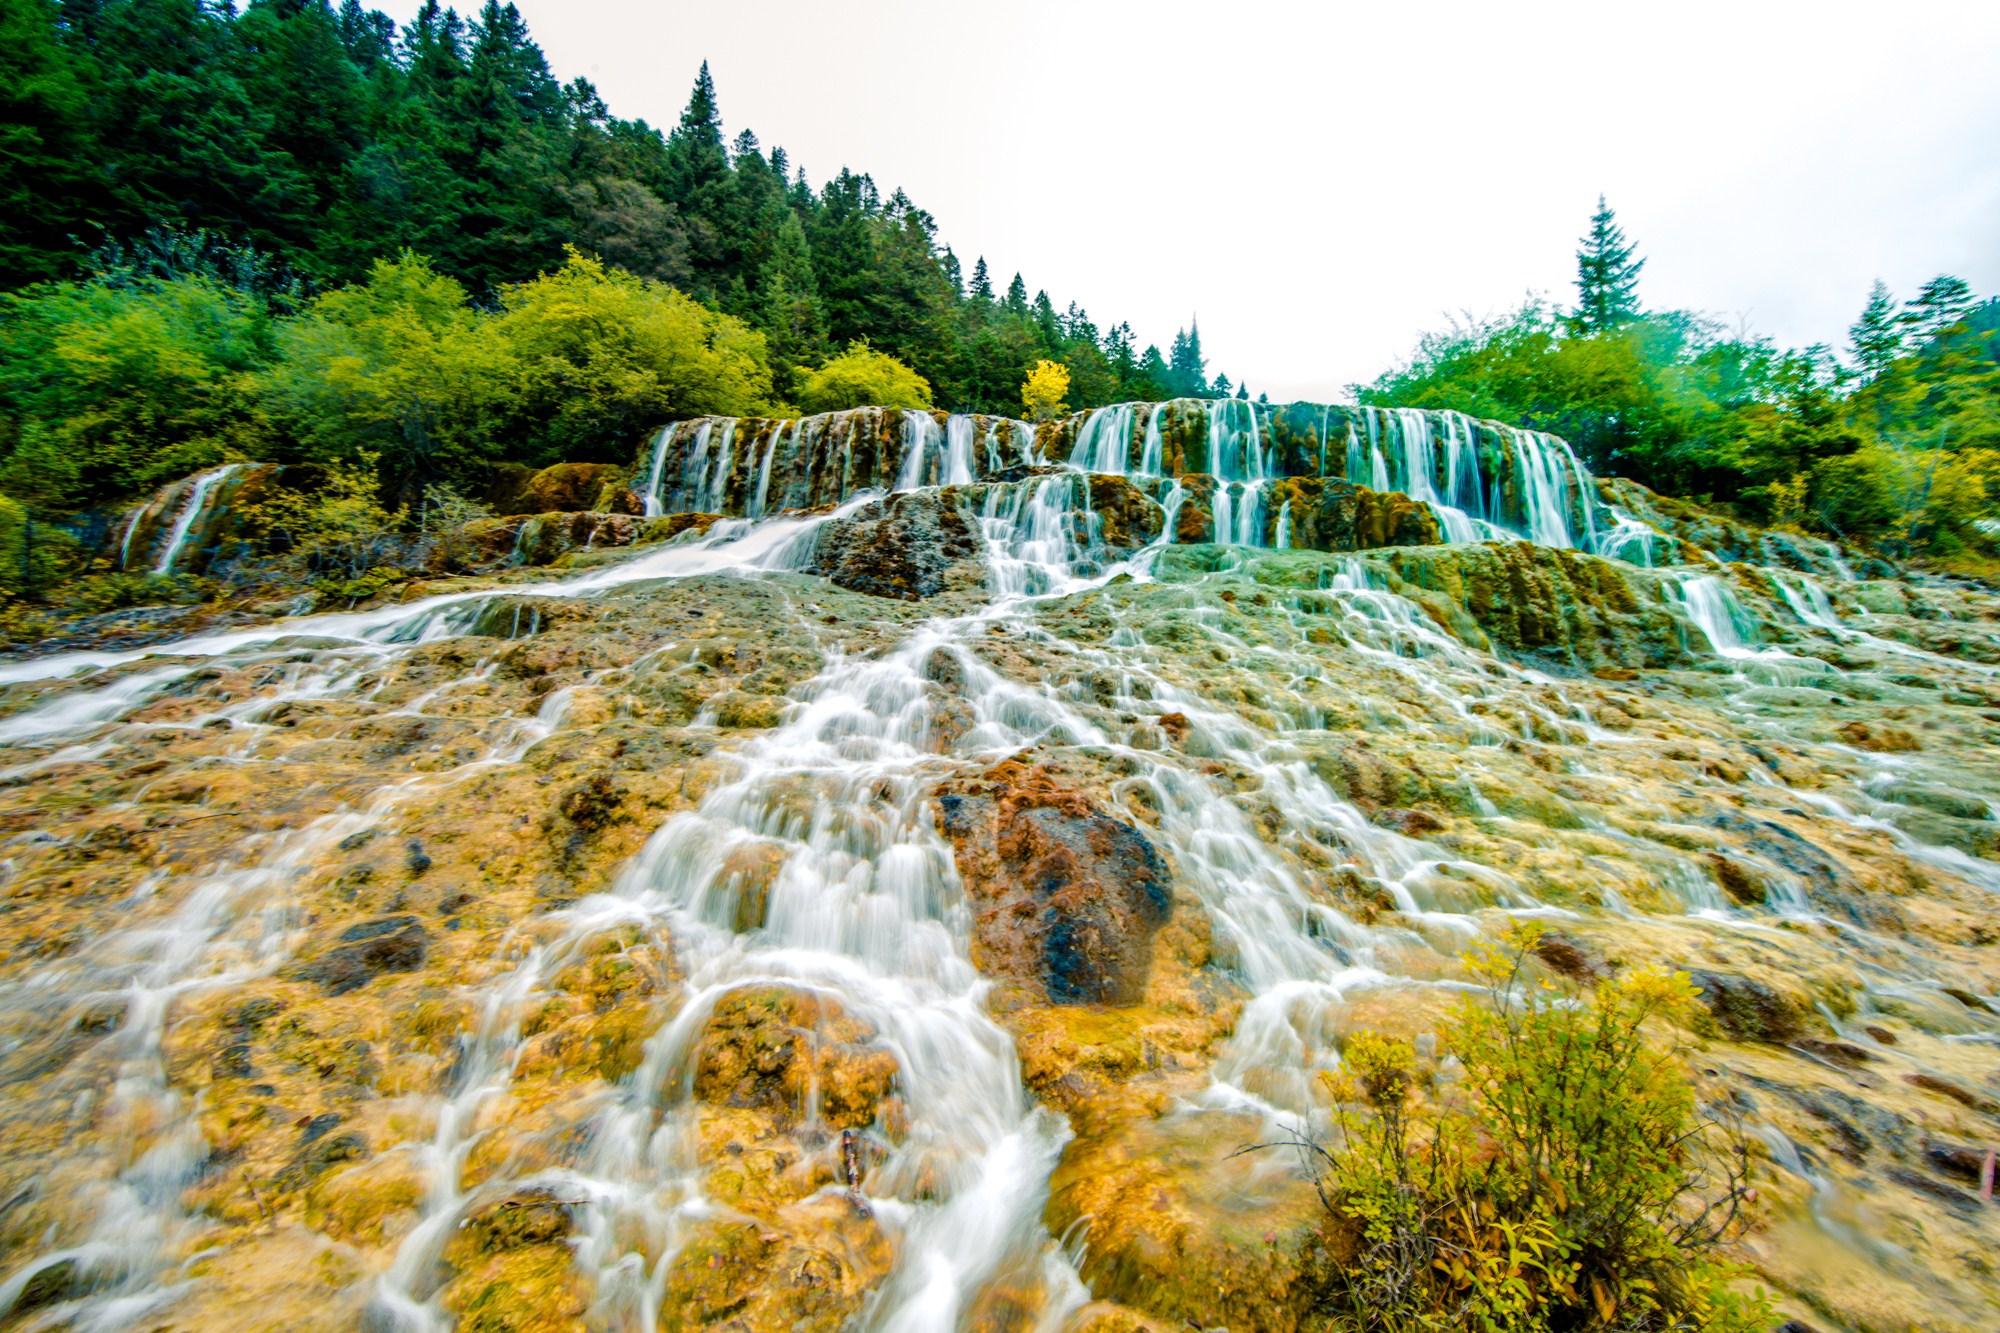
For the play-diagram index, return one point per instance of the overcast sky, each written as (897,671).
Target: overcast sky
(1319,182)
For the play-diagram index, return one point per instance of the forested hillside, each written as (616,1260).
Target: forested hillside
(299,234)
(207,173)
(1894,441)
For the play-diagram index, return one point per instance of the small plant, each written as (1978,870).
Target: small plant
(1565,1181)
(442,520)
(113,591)
(340,535)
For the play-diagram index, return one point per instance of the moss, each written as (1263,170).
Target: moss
(534,1290)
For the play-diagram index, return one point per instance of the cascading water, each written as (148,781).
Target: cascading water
(193,502)
(1342,790)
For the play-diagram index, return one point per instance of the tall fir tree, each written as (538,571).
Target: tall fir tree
(982,282)
(1607,275)
(1187,369)
(1876,338)
(697,183)
(1938,304)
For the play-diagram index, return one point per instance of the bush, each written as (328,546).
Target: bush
(1566,1181)
(864,377)
(109,388)
(121,588)
(340,535)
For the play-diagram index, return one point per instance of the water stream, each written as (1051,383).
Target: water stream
(863,909)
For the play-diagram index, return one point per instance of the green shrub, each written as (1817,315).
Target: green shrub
(122,588)
(1564,1181)
(863,377)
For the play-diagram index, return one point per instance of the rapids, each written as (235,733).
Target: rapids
(800,922)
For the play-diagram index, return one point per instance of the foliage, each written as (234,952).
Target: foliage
(339,535)
(112,387)
(1607,275)
(398,366)
(595,357)
(861,377)
(1045,391)
(441,523)
(33,556)
(326,137)
(1565,1180)
(1672,400)
(116,589)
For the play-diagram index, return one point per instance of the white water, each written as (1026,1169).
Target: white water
(194,506)
(866,909)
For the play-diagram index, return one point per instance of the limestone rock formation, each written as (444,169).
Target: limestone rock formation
(748,902)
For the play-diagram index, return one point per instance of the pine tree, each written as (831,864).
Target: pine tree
(47,186)
(1222,388)
(697,183)
(1017,296)
(982,284)
(790,311)
(1876,339)
(1044,313)
(1187,370)
(1938,304)
(954,276)
(1607,276)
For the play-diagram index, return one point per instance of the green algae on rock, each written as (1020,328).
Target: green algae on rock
(804,907)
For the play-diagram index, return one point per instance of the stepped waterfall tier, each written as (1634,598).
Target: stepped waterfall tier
(890,870)
(1249,465)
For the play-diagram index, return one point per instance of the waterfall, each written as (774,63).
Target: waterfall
(661,442)
(1104,442)
(958,466)
(1153,448)
(762,498)
(194,507)
(710,489)
(1278,729)
(922,439)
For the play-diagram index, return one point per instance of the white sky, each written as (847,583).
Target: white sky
(1321,182)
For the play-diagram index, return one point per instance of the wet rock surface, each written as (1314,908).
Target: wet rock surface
(907,546)
(1066,899)
(733,923)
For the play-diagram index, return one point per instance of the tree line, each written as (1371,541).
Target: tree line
(309,141)
(1894,441)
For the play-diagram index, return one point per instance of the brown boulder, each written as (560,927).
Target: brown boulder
(1066,899)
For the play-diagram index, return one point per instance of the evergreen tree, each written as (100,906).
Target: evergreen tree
(982,284)
(1876,338)
(1043,311)
(697,184)
(1017,296)
(954,276)
(790,312)
(47,188)
(1607,276)
(1938,304)
(1187,369)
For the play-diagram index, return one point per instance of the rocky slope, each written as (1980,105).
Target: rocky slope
(899,910)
